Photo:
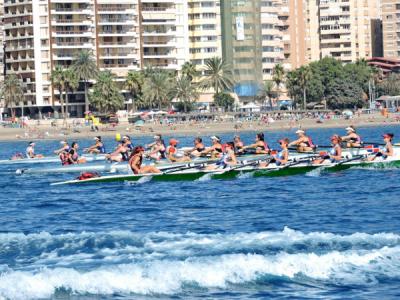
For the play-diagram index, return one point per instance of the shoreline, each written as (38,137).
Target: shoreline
(45,132)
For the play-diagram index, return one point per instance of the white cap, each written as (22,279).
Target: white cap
(63,142)
(156,137)
(32,144)
(350,129)
(214,137)
(300,131)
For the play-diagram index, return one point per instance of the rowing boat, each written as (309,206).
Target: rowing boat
(122,167)
(50,159)
(294,167)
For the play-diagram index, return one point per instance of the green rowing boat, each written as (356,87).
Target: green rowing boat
(193,173)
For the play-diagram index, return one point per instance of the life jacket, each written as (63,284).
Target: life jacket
(88,175)
(64,156)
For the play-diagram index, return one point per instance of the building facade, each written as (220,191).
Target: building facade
(391,28)
(204,21)
(340,28)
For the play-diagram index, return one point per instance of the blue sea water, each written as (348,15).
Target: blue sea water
(313,236)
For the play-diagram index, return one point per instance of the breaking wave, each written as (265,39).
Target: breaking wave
(41,265)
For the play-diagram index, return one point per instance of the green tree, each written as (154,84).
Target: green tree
(218,75)
(185,92)
(12,91)
(134,83)
(267,91)
(59,81)
(304,75)
(85,68)
(224,100)
(189,70)
(157,88)
(106,96)
(390,85)
(71,85)
(278,77)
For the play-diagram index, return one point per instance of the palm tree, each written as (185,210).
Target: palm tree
(157,87)
(267,91)
(12,91)
(218,75)
(278,76)
(304,75)
(189,70)
(86,69)
(106,96)
(185,91)
(134,83)
(71,85)
(59,82)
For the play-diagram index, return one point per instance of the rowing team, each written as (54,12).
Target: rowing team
(227,153)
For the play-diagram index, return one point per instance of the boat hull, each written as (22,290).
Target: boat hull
(231,174)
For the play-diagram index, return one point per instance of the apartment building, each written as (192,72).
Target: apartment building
(1,40)
(272,36)
(242,45)
(391,28)
(164,30)
(204,17)
(340,28)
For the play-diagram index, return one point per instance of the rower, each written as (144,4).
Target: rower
(157,148)
(387,150)
(197,149)
(260,146)
(30,151)
(282,157)
(172,152)
(352,138)
(74,155)
(227,159)
(335,154)
(64,147)
(136,160)
(97,148)
(128,143)
(303,143)
(216,148)
(120,153)
(238,143)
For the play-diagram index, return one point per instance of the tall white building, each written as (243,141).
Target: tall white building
(164,30)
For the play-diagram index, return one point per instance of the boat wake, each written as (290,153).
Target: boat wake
(316,172)
(41,265)
(245,175)
(205,177)
(142,180)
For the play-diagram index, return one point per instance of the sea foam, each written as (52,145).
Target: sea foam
(164,263)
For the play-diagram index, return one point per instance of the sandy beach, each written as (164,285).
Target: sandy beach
(44,130)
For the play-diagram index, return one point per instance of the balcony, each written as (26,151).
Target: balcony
(62,45)
(18,25)
(118,33)
(118,21)
(16,2)
(159,55)
(69,33)
(77,22)
(160,33)
(158,44)
(116,44)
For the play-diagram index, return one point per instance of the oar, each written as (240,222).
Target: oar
(348,160)
(187,166)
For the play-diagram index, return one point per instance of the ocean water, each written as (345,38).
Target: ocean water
(314,236)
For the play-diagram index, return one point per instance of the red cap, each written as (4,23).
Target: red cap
(388,135)
(173,142)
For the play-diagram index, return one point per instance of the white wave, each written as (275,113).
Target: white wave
(142,180)
(205,177)
(168,276)
(315,172)
(245,175)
